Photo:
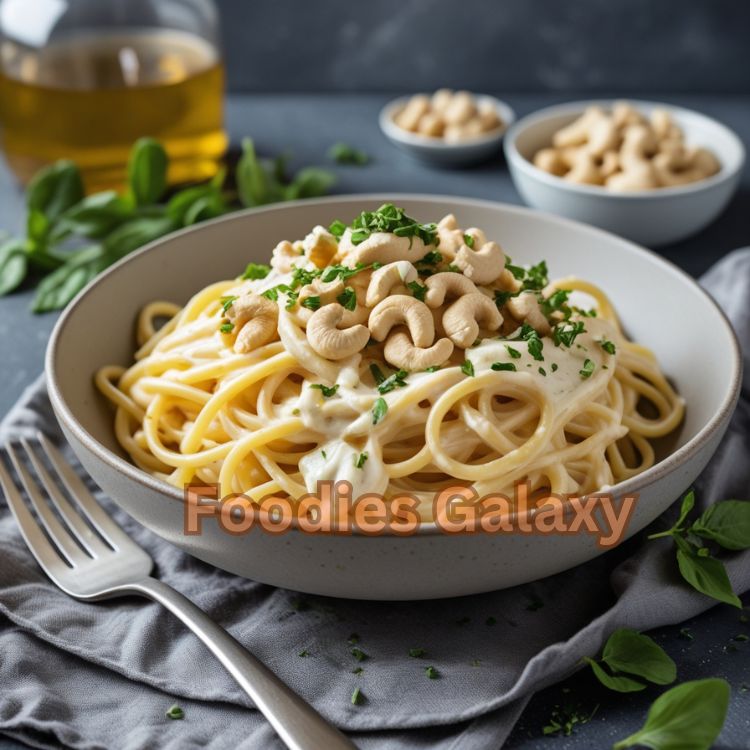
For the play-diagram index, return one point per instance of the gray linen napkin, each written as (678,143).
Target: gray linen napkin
(102,675)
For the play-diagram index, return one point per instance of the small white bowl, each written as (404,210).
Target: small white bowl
(651,217)
(436,150)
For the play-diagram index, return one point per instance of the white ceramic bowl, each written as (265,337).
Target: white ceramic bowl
(98,328)
(650,217)
(436,150)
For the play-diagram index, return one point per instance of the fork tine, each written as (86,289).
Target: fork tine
(37,542)
(109,530)
(59,535)
(83,533)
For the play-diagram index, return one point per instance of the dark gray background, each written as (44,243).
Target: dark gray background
(603,46)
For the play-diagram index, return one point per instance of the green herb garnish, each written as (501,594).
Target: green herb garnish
(226,303)
(469,241)
(608,346)
(514,353)
(226,327)
(588,369)
(500,366)
(379,410)
(417,653)
(418,290)
(397,380)
(175,713)
(311,303)
(467,368)
(361,460)
(327,391)
(431,673)
(358,654)
(389,218)
(357,697)
(566,333)
(348,299)
(255,271)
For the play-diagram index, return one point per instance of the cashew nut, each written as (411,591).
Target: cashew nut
(384,247)
(400,352)
(328,340)
(440,285)
(450,235)
(320,246)
(481,266)
(255,319)
(624,150)
(326,290)
(448,115)
(525,308)
(386,278)
(284,256)
(462,318)
(398,309)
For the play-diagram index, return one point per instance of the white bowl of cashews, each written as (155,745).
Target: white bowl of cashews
(448,128)
(653,173)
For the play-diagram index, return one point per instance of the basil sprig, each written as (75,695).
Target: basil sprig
(725,524)
(70,237)
(687,717)
(629,660)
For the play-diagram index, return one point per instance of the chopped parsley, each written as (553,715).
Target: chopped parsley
(348,299)
(434,368)
(535,344)
(417,653)
(397,380)
(323,453)
(255,271)
(377,374)
(432,258)
(361,460)
(418,290)
(467,368)
(226,327)
(326,390)
(379,410)
(175,713)
(359,654)
(554,367)
(357,697)
(337,228)
(556,302)
(304,653)
(469,241)
(500,366)
(387,218)
(453,268)
(587,370)
(542,371)
(337,271)
(311,303)
(608,346)
(502,297)
(226,302)
(514,353)
(357,670)
(303,276)
(566,333)
(432,673)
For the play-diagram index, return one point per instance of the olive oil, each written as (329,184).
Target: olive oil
(89,97)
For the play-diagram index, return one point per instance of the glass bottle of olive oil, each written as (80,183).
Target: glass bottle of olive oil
(84,79)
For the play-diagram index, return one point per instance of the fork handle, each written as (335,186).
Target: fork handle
(298,724)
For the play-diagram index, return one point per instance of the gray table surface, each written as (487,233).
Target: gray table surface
(306,125)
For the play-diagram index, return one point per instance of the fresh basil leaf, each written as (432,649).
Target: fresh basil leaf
(688,502)
(199,203)
(687,717)
(53,190)
(636,654)
(136,233)
(252,181)
(310,182)
(147,171)
(97,215)
(13,265)
(620,683)
(343,153)
(57,289)
(705,574)
(727,523)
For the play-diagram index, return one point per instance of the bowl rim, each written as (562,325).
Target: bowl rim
(398,134)
(516,159)
(629,486)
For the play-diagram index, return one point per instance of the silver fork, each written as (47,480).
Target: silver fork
(93,566)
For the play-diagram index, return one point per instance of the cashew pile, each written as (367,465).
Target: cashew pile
(452,116)
(624,150)
(414,305)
